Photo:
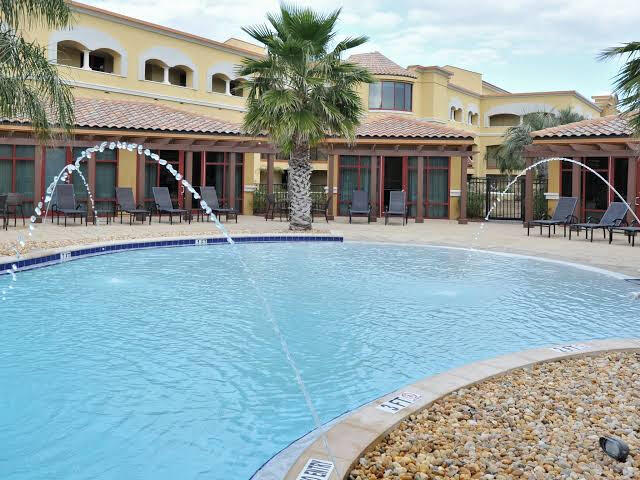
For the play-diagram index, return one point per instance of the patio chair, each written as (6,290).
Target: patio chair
(65,204)
(397,207)
(562,215)
(126,204)
(321,208)
(629,231)
(164,204)
(271,207)
(360,206)
(210,196)
(3,211)
(13,203)
(612,218)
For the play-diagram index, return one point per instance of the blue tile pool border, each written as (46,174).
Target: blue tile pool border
(77,253)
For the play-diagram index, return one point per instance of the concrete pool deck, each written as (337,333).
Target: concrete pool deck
(359,431)
(618,257)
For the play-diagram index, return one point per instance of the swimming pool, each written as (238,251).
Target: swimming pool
(160,364)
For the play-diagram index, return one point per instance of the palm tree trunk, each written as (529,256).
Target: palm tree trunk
(300,188)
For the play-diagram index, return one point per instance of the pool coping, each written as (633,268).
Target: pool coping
(64,254)
(355,433)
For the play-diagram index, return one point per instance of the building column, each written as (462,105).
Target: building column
(576,186)
(271,157)
(232,181)
(140,179)
(464,161)
(166,75)
(632,187)
(528,192)
(188,175)
(227,87)
(330,174)
(420,192)
(85,59)
(372,188)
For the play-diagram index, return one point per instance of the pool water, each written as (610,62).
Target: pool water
(160,364)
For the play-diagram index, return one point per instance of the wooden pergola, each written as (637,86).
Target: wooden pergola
(398,147)
(153,140)
(581,149)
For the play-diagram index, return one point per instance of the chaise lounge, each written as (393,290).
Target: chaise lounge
(612,218)
(563,215)
(126,204)
(630,231)
(360,206)
(397,207)
(210,196)
(65,204)
(165,205)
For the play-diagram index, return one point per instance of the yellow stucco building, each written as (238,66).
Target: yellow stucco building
(427,127)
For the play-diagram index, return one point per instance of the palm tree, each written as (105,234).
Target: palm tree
(627,81)
(30,86)
(509,155)
(302,92)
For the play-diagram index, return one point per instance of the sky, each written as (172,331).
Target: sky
(519,45)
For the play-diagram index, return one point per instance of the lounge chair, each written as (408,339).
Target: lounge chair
(360,206)
(164,204)
(612,218)
(397,207)
(210,196)
(65,204)
(630,231)
(321,208)
(3,211)
(126,204)
(563,215)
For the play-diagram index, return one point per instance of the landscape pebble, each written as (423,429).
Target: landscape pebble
(536,423)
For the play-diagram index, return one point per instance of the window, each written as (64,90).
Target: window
(235,87)
(154,71)
(17,173)
(504,120)
(219,83)
(566,184)
(492,156)
(70,53)
(390,96)
(178,76)
(101,61)
(157,175)
(353,174)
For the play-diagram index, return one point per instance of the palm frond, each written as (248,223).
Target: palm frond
(51,13)
(626,83)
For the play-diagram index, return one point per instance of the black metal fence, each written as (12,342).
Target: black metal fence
(318,195)
(485,197)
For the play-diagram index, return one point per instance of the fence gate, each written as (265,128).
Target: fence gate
(484,192)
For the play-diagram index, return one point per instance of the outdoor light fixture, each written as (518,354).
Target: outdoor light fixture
(615,448)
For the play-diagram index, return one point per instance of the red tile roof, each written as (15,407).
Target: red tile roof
(609,126)
(128,115)
(378,64)
(404,127)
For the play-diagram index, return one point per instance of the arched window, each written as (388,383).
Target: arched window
(102,60)
(71,53)
(456,114)
(219,83)
(179,75)
(154,71)
(504,120)
(472,118)
(452,113)
(235,87)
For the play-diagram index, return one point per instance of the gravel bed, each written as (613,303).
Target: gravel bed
(541,422)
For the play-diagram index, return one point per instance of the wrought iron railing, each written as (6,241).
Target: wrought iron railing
(318,195)
(485,192)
